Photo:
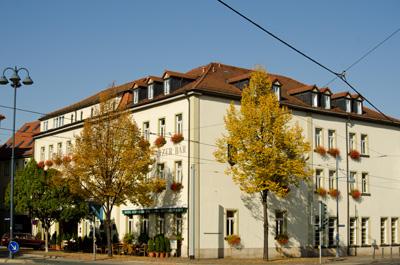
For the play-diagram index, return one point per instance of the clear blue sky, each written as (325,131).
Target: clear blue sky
(75,48)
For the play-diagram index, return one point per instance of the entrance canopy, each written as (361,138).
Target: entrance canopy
(154,210)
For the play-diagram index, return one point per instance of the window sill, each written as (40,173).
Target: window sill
(366,194)
(365,246)
(364,155)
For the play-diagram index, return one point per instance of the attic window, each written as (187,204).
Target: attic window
(276,89)
(348,105)
(314,98)
(167,86)
(327,101)
(150,91)
(358,107)
(135,96)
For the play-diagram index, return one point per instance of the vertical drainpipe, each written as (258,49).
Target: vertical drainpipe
(188,174)
(347,182)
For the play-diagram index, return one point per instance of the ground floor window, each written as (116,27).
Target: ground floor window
(144,224)
(130,225)
(160,223)
(280,223)
(178,223)
(231,220)
(384,231)
(332,231)
(353,231)
(364,231)
(394,226)
(316,231)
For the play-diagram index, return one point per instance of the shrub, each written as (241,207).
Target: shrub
(160,141)
(320,150)
(150,245)
(233,240)
(354,154)
(334,152)
(128,238)
(167,245)
(177,138)
(157,244)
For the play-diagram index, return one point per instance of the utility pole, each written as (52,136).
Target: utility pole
(337,206)
(192,230)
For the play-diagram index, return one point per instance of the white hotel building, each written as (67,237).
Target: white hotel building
(194,103)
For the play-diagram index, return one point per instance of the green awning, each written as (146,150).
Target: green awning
(155,210)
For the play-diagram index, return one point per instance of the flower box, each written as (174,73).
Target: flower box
(356,194)
(160,141)
(320,150)
(144,144)
(282,239)
(66,159)
(321,192)
(233,240)
(176,186)
(58,160)
(40,164)
(334,152)
(354,154)
(177,138)
(158,185)
(48,163)
(334,193)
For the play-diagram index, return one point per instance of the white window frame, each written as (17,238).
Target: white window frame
(144,224)
(42,153)
(364,144)
(161,170)
(167,86)
(358,107)
(348,105)
(59,148)
(68,147)
(327,101)
(162,127)
(231,222)
(131,225)
(331,139)
(135,96)
(51,152)
(178,171)
(314,99)
(318,137)
(332,231)
(179,123)
(332,179)
(178,223)
(384,230)
(280,223)
(364,182)
(276,89)
(150,91)
(353,180)
(353,231)
(394,227)
(146,130)
(319,178)
(161,223)
(365,231)
(352,141)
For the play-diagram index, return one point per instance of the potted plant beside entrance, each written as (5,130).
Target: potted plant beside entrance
(150,248)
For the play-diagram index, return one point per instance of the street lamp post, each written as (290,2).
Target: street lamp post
(15,83)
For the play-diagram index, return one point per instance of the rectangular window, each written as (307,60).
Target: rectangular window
(230,228)
(327,101)
(394,229)
(45,125)
(59,149)
(364,231)
(348,105)
(166,86)
(318,179)
(42,153)
(318,137)
(364,183)
(314,99)
(144,224)
(69,147)
(332,179)
(332,231)
(131,226)
(280,223)
(352,180)
(364,139)
(160,223)
(178,123)
(384,231)
(331,139)
(150,91)
(61,121)
(161,127)
(146,130)
(178,171)
(352,141)
(316,231)
(91,112)
(353,231)
(135,96)
(178,223)
(81,115)
(160,170)
(51,151)
(276,90)
(359,107)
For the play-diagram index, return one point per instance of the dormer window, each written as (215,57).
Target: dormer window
(348,105)
(314,99)
(167,86)
(358,107)
(276,89)
(327,101)
(135,96)
(150,91)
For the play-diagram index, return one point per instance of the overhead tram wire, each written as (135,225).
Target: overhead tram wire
(366,54)
(341,76)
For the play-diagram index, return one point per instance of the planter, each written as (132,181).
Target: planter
(320,150)
(177,138)
(233,240)
(334,193)
(162,255)
(159,185)
(66,159)
(334,152)
(282,239)
(355,155)
(160,141)
(57,160)
(356,194)
(48,163)
(321,192)
(176,186)
(152,254)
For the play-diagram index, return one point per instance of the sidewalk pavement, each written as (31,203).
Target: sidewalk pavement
(29,256)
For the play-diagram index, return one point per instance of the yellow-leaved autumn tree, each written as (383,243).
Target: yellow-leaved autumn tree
(110,161)
(266,154)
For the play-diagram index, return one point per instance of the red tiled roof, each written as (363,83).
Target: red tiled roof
(177,74)
(340,95)
(154,78)
(325,89)
(301,89)
(23,141)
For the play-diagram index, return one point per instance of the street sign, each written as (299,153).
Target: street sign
(13,247)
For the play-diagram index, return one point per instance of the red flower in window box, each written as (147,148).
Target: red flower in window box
(356,194)
(144,144)
(321,192)
(177,138)
(233,240)
(354,154)
(58,160)
(334,152)
(48,163)
(334,193)
(282,239)
(40,164)
(320,150)
(176,186)
(160,141)
(66,159)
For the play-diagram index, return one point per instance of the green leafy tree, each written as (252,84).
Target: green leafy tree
(41,195)
(110,161)
(266,154)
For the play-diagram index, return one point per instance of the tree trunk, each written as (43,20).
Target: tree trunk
(46,238)
(108,233)
(266,234)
